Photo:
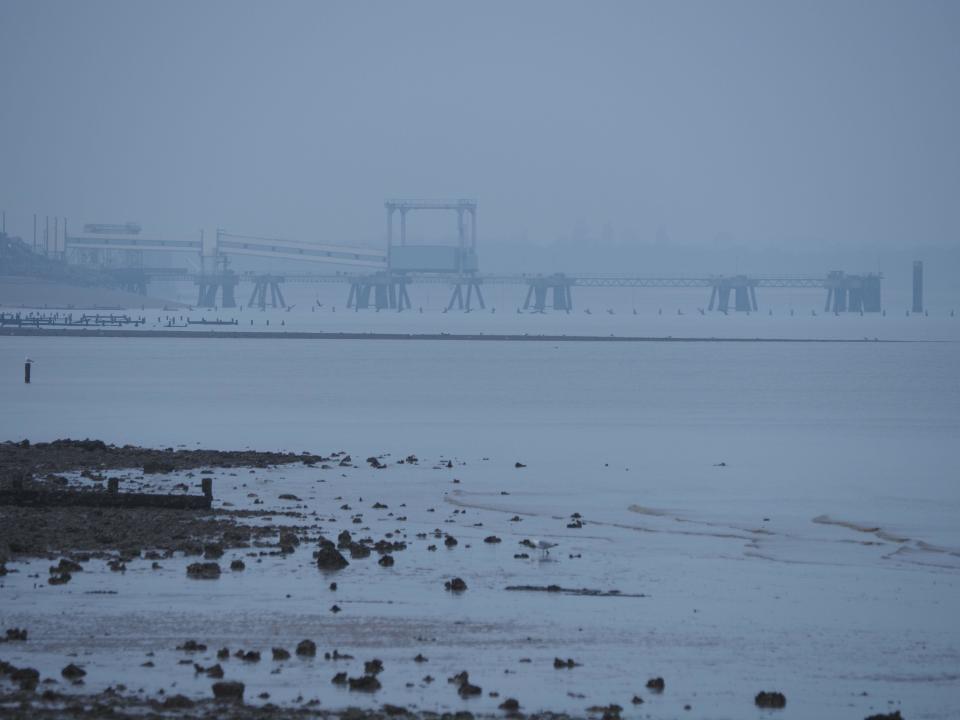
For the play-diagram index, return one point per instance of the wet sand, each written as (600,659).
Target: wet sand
(122,539)
(576,629)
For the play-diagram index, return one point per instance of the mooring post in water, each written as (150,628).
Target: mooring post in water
(113,485)
(207,485)
(26,370)
(917,286)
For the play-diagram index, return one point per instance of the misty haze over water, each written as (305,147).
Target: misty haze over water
(604,137)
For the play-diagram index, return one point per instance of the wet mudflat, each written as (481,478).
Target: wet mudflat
(727,559)
(619,599)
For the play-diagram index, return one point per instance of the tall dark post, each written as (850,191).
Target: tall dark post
(26,371)
(461,228)
(389,234)
(918,286)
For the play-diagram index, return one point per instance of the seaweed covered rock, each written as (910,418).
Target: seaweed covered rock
(73,672)
(766,699)
(228,690)
(203,571)
(27,678)
(306,648)
(455,585)
(364,683)
(178,702)
(329,558)
(65,566)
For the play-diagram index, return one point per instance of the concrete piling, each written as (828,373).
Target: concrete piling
(917,286)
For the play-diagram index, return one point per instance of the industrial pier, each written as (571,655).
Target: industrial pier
(380,278)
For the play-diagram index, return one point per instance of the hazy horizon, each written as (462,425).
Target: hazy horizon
(762,128)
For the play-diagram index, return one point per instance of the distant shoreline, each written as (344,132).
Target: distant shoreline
(499,337)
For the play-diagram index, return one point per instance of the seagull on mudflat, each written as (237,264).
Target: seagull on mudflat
(544,546)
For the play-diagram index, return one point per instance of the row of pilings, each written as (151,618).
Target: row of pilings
(389,291)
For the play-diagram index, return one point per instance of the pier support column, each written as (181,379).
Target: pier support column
(464,300)
(539,289)
(742,299)
(852,293)
(723,297)
(540,293)
(917,287)
(209,285)
(389,292)
(261,284)
(871,294)
(744,289)
(380,298)
(855,299)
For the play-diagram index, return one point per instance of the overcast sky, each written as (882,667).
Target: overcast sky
(765,123)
